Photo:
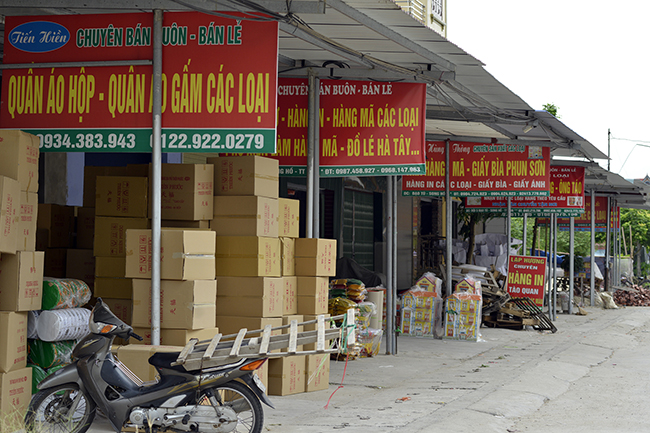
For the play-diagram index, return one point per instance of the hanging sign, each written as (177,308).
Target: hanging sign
(583,221)
(366,128)
(218,83)
(566,197)
(526,276)
(479,169)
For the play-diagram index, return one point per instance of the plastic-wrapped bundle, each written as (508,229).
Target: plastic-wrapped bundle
(338,306)
(32,323)
(59,325)
(369,340)
(50,354)
(64,293)
(365,310)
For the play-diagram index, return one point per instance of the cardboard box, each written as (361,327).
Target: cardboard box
(110,267)
(245,216)
(20,153)
(116,288)
(27,221)
(286,375)
(289,225)
(317,372)
(85,228)
(183,304)
(184,254)
(9,214)
(122,308)
(249,296)
(289,295)
(90,181)
(201,224)
(55,225)
(80,265)
(248,256)
(232,324)
(246,175)
(136,358)
(312,295)
(122,196)
(175,337)
(315,257)
(15,395)
(21,281)
(13,340)
(55,262)
(187,191)
(288,256)
(314,327)
(110,234)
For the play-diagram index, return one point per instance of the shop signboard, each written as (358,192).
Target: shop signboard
(583,222)
(366,128)
(566,199)
(483,169)
(526,276)
(219,80)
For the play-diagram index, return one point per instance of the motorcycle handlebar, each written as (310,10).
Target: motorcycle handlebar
(136,336)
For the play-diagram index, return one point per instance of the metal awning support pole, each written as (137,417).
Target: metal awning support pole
(554,266)
(390,327)
(547,251)
(316,192)
(617,258)
(608,233)
(156,172)
(524,249)
(394,311)
(312,136)
(448,215)
(571,262)
(592,279)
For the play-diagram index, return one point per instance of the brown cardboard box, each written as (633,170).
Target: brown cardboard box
(85,228)
(175,337)
(21,281)
(140,170)
(15,395)
(314,327)
(249,296)
(90,181)
(286,320)
(232,324)
(184,254)
(110,267)
(317,372)
(122,196)
(80,265)
(248,256)
(315,257)
(116,288)
(201,224)
(183,304)
(13,340)
(245,216)
(187,191)
(55,262)
(27,221)
(19,160)
(288,256)
(313,293)
(9,214)
(289,225)
(55,225)
(246,175)
(289,299)
(122,308)
(286,375)
(136,358)
(110,234)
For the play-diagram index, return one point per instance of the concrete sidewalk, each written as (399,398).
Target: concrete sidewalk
(441,385)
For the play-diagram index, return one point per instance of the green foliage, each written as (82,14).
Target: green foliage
(578,264)
(639,221)
(552,108)
(581,240)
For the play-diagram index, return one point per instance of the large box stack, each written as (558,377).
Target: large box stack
(21,268)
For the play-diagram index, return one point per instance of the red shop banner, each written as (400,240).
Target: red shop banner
(583,222)
(567,197)
(365,128)
(219,80)
(526,276)
(480,169)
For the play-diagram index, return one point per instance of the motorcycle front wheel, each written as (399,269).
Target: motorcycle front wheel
(244,402)
(60,409)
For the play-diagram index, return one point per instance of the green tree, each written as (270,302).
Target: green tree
(553,109)
(639,221)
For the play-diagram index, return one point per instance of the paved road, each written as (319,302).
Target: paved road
(591,376)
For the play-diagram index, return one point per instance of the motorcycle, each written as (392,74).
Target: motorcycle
(219,399)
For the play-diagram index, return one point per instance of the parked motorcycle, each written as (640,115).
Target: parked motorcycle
(223,398)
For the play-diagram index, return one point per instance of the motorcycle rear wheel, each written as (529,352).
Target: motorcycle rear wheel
(245,403)
(48,410)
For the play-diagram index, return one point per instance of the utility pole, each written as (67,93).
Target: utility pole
(609,135)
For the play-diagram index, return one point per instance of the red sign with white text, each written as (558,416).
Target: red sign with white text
(526,276)
(479,169)
(583,222)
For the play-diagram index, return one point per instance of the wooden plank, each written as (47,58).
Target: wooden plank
(266,338)
(293,336)
(320,338)
(350,323)
(234,352)
(186,351)
(213,345)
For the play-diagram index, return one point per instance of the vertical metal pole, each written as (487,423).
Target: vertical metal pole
(608,233)
(312,126)
(617,258)
(156,176)
(316,192)
(554,266)
(390,326)
(571,262)
(524,246)
(508,230)
(549,262)
(592,280)
(448,216)
(394,203)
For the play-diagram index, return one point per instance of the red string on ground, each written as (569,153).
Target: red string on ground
(341,385)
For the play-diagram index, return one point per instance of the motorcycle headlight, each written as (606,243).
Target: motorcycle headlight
(99,327)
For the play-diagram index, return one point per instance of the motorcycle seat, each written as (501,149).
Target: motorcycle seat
(165,360)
